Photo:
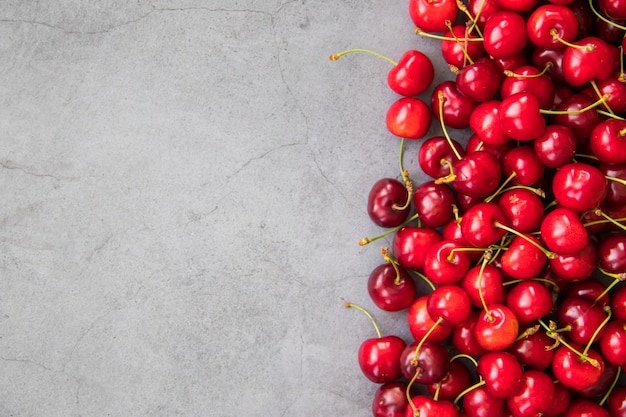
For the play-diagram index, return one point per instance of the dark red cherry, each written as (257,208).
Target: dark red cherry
(390,400)
(534,350)
(434,203)
(431,365)
(540,57)
(582,123)
(454,383)
(379,358)
(477,174)
(481,80)
(464,336)
(456,107)
(384,198)
(584,317)
(391,288)
(480,402)
(612,253)
(586,408)
(616,403)
(616,191)
(556,146)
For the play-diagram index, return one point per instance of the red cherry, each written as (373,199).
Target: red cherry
(480,402)
(410,243)
(501,372)
(550,24)
(534,350)
(563,232)
(529,301)
(412,75)
(585,408)
(464,336)
(485,123)
(582,123)
(575,267)
(420,322)
(524,258)
(602,385)
(454,383)
(431,16)
(590,59)
(391,287)
(434,203)
(520,116)
(520,6)
(616,402)
(390,400)
(560,403)
(431,365)
(556,146)
(505,34)
(608,141)
(457,107)
(524,163)
(579,187)
(450,304)
(528,79)
(479,81)
(534,397)
(616,192)
(618,303)
(423,406)
(497,328)
(485,280)
(477,174)
(446,263)
(482,10)
(541,57)
(384,197)
(590,289)
(408,118)
(476,144)
(616,91)
(456,45)
(612,253)
(433,151)
(523,209)
(613,9)
(613,343)
(584,318)
(478,225)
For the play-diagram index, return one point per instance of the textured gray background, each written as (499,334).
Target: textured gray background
(183,188)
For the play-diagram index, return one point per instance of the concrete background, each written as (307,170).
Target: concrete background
(183,189)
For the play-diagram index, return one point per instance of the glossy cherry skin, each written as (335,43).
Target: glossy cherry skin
(483,10)
(486,280)
(384,196)
(445,264)
(584,317)
(616,402)
(576,267)
(433,151)
(534,397)
(478,225)
(450,303)
(560,403)
(420,322)
(477,174)
(616,191)
(481,80)
(501,372)
(520,117)
(391,290)
(456,45)
(552,17)
(608,141)
(427,407)
(602,385)
(579,187)
(529,301)
(612,253)
(528,79)
(523,259)
(581,123)
(485,123)
(563,232)
(534,350)
(594,61)
(586,408)
(480,402)
(412,75)
(434,203)
(523,209)
(408,118)
(464,336)
(524,163)
(454,383)
(556,146)
(498,329)
(613,9)
(617,93)
(476,144)
(505,34)
(431,16)
(432,364)
(618,303)
(540,57)
(379,358)
(410,244)
(457,107)
(613,343)
(390,400)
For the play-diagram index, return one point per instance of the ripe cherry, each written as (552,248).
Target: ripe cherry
(431,16)
(434,203)
(583,317)
(454,383)
(412,75)
(464,336)
(556,146)
(420,322)
(480,402)
(450,304)
(551,26)
(390,400)
(423,406)
(501,372)
(408,118)
(608,141)
(563,232)
(485,123)
(505,34)
(534,397)
(391,287)
(497,328)
(616,191)
(520,116)
(579,187)
(449,103)
(579,114)
(586,408)
(523,209)
(528,79)
(613,343)
(386,201)
(410,244)
(616,403)
(612,253)
(483,285)
(529,301)
(522,161)
(446,262)
(618,303)
(478,225)
(588,59)
(431,365)
(575,267)
(479,81)
(458,48)
(477,174)
(534,349)
(524,258)
(433,151)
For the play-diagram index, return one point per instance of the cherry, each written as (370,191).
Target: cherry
(613,9)
(480,402)
(477,174)
(410,244)
(450,305)
(552,59)
(575,267)
(434,203)
(618,303)
(446,262)
(449,104)
(579,186)
(431,16)
(391,287)
(423,406)
(497,328)
(453,384)
(479,81)
(390,400)
(583,317)
(616,402)
(385,203)
(587,59)
(485,123)
(616,91)
(528,79)
(551,26)
(612,253)
(476,144)
(575,113)
(603,384)
(501,372)
(520,116)
(563,232)
(482,10)
(483,285)
(561,401)
(613,343)
(534,397)
(478,225)
(460,46)
(555,146)
(522,161)
(523,209)
(412,75)
(504,34)
(608,141)
(408,118)
(431,365)
(433,151)
(616,191)
(529,301)
(534,349)
(420,322)
(585,408)
(524,258)
(590,289)
(379,357)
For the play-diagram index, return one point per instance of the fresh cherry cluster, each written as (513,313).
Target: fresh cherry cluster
(519,236)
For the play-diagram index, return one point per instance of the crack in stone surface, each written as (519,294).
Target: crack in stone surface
(9,165)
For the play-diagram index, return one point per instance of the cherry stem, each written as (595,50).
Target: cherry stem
(464,356)
(465,391)
(450,256)
(587,156)
(480,289)
(555,35)
(367,240)
(528,332)
(584,109)
(615,179)
(611,115)
(601,17)
(555,335)
(606,220)
(612,387)
(474,20)
(420,32)
(621,276)
(335,57)
(389,259)
(549,254)
(609,219)
(441,98)
(499,190)
(599,93)
(466,57)
(367,313)
(537,191)
(448,178)
(436,395)
(546,68)
(424,278)
(607,309)
(405,178)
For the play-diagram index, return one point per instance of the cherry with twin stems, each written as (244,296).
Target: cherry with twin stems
(379,357)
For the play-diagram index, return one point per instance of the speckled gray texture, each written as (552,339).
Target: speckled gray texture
(183,189)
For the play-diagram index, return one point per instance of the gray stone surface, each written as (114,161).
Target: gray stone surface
(183,188)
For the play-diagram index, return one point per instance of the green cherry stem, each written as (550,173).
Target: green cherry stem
(554,334)
(599,93)
(466,57)
(609,219)
(390,260)
(367,240)
(549,254)
(441,99)
(367,313)
(480,288)
(617,278)
(610,390)
(469,389)
(596,103)
(607,309)
(335,57)
(601,17)
(611,115)
(499,190)
(424,278)
(420,32)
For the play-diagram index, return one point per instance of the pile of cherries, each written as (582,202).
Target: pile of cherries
(510,261)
